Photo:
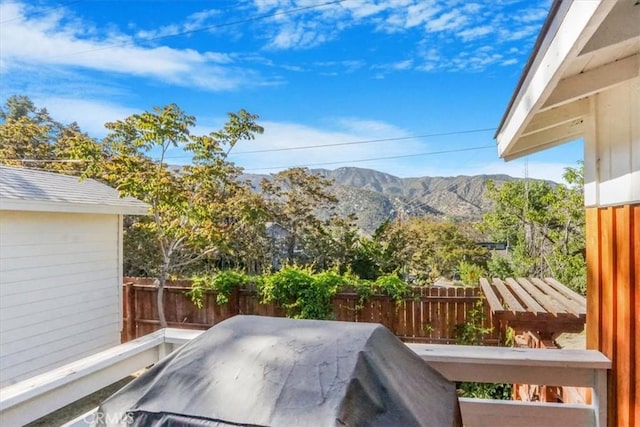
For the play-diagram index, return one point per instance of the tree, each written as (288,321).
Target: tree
(29,137)
(543,224)
(437,248)
(333,244)
(193,209)
(294,197)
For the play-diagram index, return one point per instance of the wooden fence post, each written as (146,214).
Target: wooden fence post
(130,327)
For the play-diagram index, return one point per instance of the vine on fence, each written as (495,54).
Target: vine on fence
(222,284)
(301,292)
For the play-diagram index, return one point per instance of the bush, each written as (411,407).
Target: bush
(393,286)
(500,267)
(222,284)
(302,294)
(470,274)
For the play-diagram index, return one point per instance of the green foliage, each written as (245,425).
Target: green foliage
(472,333)
(195,213)
(393,286)
(303,294)
(365,290)
(221,283)
(500,266)
(30,137)
(498,391)
(470,274)
(544,226)
(292,198)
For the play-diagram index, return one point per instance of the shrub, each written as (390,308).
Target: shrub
(302,294)
(500,267)
(470,274)
(221,283)
(393,286)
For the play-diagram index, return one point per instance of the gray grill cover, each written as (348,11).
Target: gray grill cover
(265,371)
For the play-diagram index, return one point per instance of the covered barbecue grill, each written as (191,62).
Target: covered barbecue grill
(263,371)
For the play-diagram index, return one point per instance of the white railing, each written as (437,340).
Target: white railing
(578,368)
(31,399)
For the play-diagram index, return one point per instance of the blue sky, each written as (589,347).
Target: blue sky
(317,73)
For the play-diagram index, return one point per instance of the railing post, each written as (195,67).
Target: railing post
(599,398)
(130,292)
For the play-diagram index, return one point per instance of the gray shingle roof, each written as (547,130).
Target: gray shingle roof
(38,190)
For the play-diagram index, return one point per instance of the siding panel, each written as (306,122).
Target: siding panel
(613,261)
(59,289)
(612,158)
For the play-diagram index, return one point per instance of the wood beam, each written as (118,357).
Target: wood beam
(593,81)
(547,138)
(557,116)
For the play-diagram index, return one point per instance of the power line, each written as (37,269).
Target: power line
(207,28)
(431,153)
(305,147)
(366,141)
(375,158)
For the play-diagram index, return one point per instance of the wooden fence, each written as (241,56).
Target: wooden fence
(430,315)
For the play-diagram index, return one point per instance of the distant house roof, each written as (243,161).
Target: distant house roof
(31,190)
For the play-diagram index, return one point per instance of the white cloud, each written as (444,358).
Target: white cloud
(437,23)
(452,21)
(531,15)
(51,39)
(91,115)
(475,33)
(511,34)
(509,62)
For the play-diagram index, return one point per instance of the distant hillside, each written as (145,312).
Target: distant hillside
(376,196)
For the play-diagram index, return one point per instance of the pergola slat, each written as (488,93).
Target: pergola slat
(532,304)
(492,299)
(512,302)
(570,306)
(540,296)
(569,293)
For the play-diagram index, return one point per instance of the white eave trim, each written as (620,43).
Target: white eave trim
(66,207)
(578,24)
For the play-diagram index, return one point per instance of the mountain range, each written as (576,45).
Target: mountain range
(375,196)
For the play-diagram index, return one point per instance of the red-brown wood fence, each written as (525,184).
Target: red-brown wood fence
(430,315)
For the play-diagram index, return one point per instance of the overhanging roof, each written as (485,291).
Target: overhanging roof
(32,190)
(584,47)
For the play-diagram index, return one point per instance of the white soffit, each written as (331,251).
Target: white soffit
(589,46)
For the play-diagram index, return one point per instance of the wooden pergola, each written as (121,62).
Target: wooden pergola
(544,306)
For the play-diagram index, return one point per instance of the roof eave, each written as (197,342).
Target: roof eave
(568,28)
(136,208)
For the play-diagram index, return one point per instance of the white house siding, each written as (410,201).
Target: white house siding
(612,147)
(60,280)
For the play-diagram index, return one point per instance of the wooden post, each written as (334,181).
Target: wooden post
(130,326)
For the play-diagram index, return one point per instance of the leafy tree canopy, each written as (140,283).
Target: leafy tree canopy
(543,224)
